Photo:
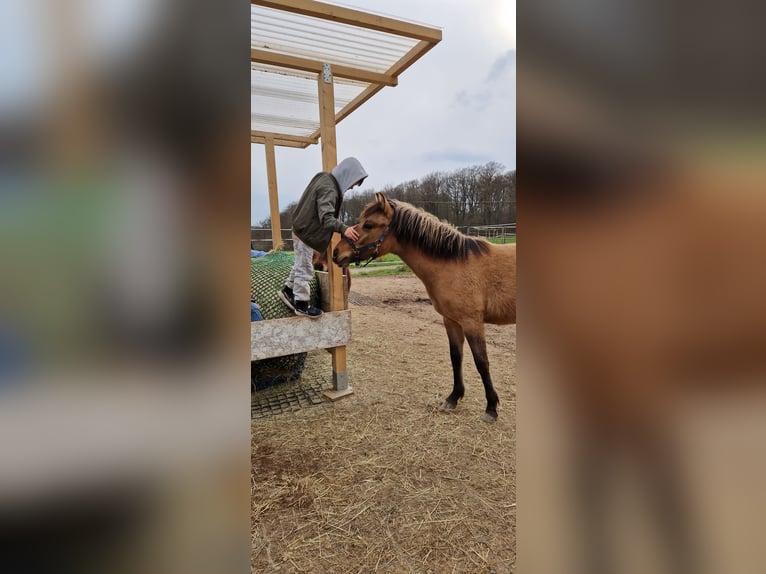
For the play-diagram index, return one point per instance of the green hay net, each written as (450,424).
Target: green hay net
(267,277)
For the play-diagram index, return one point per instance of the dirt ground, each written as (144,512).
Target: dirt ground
(383,480)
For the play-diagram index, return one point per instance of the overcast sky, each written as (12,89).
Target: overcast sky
(454,107)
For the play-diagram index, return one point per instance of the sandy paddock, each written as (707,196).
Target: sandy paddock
(383,480)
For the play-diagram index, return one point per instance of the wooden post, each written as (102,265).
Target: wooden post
(271,171)
(72,138)
(329,161)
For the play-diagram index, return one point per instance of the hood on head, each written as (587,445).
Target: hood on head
(348,172)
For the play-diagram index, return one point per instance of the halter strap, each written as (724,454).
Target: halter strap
(357,251)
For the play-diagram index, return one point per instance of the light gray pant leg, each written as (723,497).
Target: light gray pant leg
(302,272)
(290,281)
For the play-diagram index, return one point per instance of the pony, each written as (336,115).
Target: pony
(469,280)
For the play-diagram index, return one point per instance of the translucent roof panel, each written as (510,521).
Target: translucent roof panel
(325,40)
(285,101)
(291,40)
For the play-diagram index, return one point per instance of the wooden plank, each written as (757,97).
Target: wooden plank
(415,53)
(335,276)
(281,143)
(279,337)
(339,370)
(323,278)
(271,171)
(354,18)
(327,121)
(309,65)
(329,161)
(358,101)
(337,395)
(255,134)
(404,62)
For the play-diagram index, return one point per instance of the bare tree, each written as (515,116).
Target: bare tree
(474,195)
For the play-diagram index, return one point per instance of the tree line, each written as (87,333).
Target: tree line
(475,195)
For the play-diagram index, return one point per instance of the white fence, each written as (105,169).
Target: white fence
(505,232)
(260,237)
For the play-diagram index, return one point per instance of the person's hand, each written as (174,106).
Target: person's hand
(351,233)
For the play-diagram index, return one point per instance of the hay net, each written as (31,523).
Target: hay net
(267,276)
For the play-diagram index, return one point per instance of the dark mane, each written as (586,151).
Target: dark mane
(421,229)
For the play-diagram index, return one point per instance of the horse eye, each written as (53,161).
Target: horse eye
(367,225)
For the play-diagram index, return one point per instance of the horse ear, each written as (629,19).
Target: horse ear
(383,204)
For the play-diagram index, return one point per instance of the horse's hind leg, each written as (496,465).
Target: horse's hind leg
(456,339)
(479,350)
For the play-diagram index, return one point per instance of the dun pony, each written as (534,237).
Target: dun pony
(469,280)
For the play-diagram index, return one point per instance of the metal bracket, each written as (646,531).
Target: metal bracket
(340,381)
(327,73)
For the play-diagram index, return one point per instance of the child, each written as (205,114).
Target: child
(314,221)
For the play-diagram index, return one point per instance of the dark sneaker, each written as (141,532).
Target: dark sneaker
(286,294)
(303,308)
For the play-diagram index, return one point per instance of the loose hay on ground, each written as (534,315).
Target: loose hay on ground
(384,481)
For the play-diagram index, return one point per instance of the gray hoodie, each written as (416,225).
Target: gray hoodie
(348,172)
(316,216)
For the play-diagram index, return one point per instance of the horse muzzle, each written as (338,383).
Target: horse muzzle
(342,261)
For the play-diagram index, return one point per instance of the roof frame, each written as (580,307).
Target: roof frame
(427,37)
(354,18)
(309,65)
(286,140)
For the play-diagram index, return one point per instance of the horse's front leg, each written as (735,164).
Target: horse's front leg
(456,339)
(479,349)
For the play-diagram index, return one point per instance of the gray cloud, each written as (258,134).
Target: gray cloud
(505,64)
(472,99)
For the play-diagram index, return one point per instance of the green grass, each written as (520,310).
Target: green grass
(387,260)
(398,270)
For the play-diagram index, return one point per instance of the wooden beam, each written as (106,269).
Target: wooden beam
(329,161)
(327,120)
(353,18)
(412,56)
(308,65)
(271,171)
(357,101)
(405,62)
(278,337)
(281,143)
(283,137)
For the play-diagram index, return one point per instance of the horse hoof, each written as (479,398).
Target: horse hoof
(448,406)
(489,417)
